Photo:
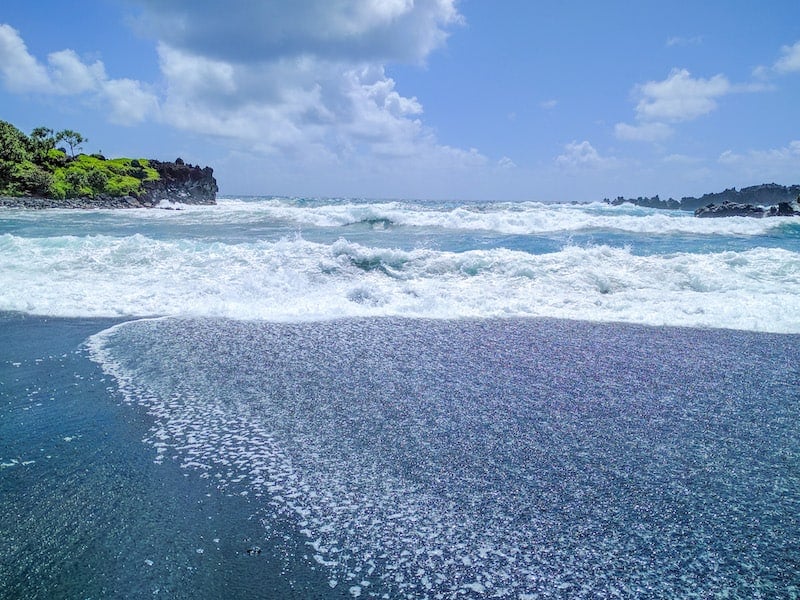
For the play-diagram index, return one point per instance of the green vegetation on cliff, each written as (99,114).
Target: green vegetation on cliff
(33,166)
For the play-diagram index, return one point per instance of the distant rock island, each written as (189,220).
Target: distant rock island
(765,200)
(34,173)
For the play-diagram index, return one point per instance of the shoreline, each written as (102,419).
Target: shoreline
(85,510)
(103,202)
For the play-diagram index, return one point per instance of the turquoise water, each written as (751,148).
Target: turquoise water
(290,259)
(402,400)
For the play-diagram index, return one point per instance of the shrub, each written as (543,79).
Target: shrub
(12,152)
(123,185)
(97,180)
(32,178)
(33,165)
(77,182)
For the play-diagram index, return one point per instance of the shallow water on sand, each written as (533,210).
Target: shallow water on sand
(85,512)
(508,458)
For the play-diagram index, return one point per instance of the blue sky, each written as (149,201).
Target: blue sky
(442,99)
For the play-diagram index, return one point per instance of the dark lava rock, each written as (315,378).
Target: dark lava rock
(730,209)
(737,209)
(180,182)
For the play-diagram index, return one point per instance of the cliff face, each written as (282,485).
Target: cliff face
(180,182)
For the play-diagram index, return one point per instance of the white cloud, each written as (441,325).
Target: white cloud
(774,164)
(192,75)
(66,75)
(301,78)
(128,101)
(680,97)
(643,132)
(790,61)
(583,154)
(351,30)
(548,104)
(21,71)
(71,76)
(788,155)
(292,104)
(506,163)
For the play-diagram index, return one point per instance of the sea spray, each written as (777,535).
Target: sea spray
(296,279)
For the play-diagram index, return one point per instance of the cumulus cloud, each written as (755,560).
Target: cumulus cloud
(21,71)
(643,132)
(65,74)
(680,97)
(243,31)
(583,155)
(304,78)
(291,79)
(292,104)
(68,75)
(773,164)
(787,155)
(127,101)
(790,59)
(506,163)
(789,62)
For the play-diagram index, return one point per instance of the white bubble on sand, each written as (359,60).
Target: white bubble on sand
(368,523)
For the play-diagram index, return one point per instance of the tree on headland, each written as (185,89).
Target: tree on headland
(33,166)
(12,153)
(73,139)
(12,143)
(42,140)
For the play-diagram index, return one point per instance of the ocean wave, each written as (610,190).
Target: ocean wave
(507,218)
(294,279)
(518,218)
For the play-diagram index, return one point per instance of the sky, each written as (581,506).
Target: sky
(474,100)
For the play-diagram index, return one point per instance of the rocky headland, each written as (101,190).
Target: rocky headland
(765,200)
(177,182)
(36,173)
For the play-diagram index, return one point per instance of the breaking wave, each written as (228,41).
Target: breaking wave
(295,279)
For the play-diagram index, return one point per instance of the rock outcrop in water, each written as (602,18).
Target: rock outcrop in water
(736,209)
(764,200)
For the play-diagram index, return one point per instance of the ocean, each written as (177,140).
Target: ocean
(338,398)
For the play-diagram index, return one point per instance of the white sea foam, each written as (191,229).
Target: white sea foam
(294,279)
(270,409)
(523,218)
(406,530)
